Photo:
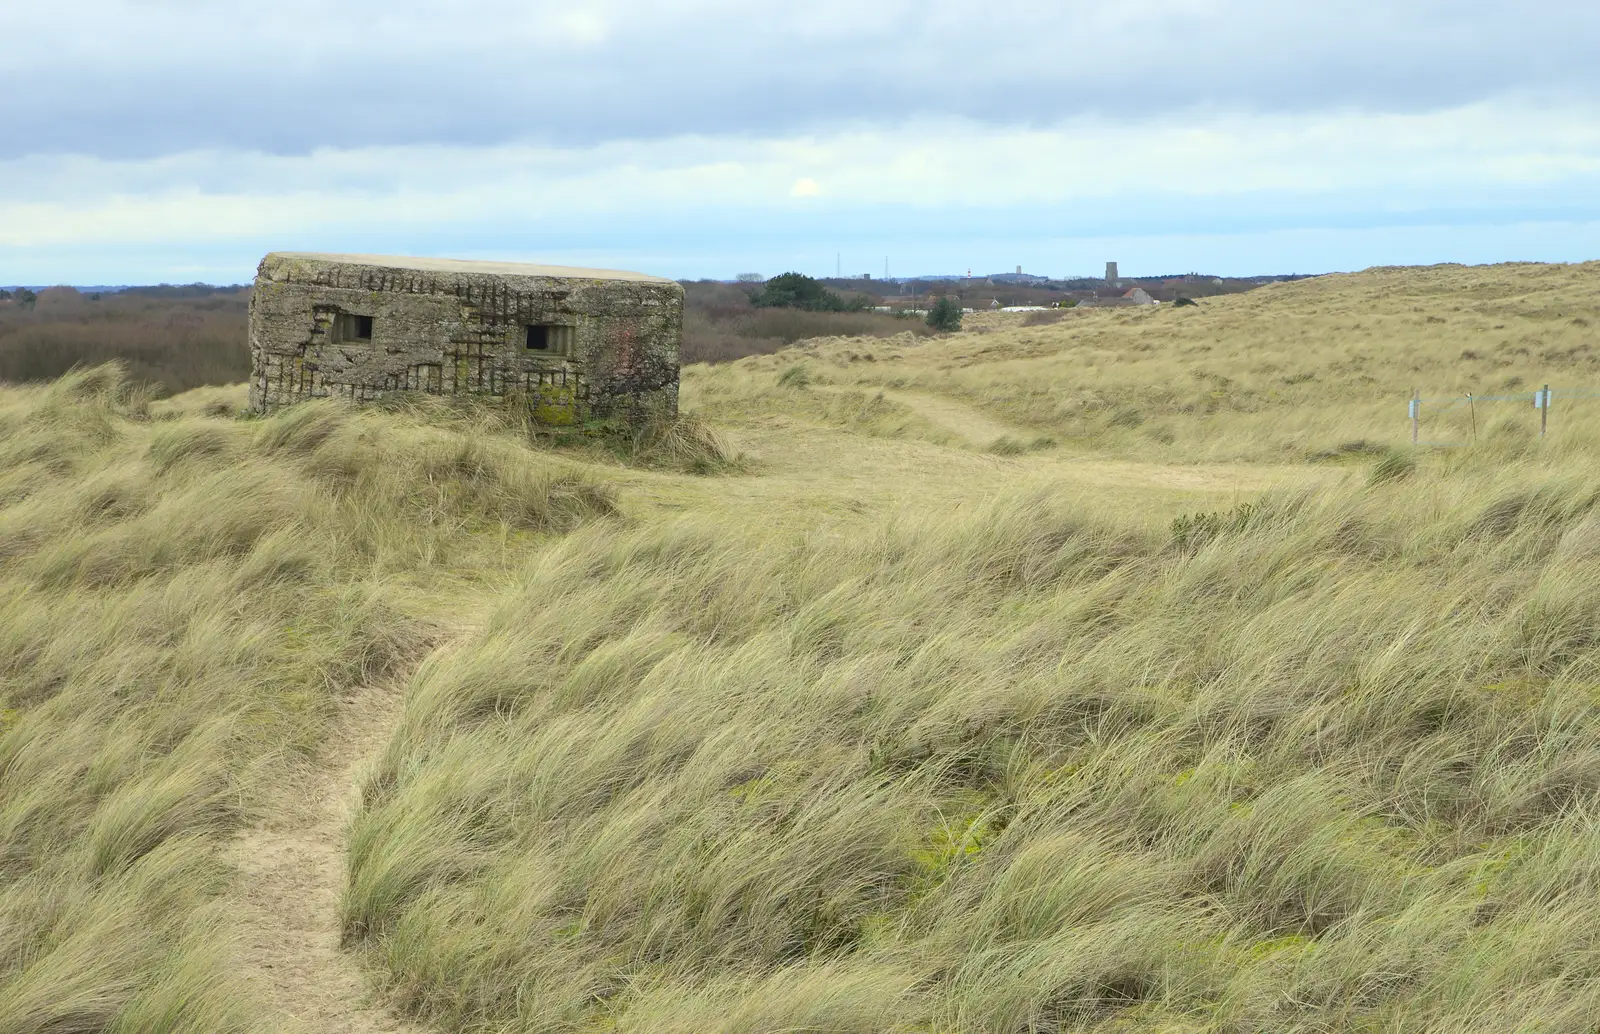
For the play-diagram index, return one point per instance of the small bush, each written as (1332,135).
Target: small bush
(945,316)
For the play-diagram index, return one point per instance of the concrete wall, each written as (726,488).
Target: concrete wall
(448,327)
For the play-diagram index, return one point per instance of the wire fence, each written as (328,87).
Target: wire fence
(1544,402)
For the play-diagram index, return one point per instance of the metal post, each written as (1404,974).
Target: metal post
(1544,411)
(1416,414)
(1472,408)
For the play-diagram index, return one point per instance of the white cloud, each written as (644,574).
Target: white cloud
(941,186)
(1494,154)
(585,28)
(131,77)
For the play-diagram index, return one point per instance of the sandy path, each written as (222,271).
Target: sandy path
(291,873)
(957,417)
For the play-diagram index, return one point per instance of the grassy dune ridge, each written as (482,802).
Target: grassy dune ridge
(183,598)
(1334,765)
(1280,374)
(883,726)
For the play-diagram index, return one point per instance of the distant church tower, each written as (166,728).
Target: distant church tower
(1111,273)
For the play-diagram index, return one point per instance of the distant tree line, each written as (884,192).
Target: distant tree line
(798,291)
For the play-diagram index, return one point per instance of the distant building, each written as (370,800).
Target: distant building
(1109,298)
(1111,272)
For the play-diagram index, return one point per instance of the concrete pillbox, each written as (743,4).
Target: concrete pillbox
(579,345)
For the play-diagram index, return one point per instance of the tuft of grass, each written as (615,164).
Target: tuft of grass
(1006,445)
(1348,450)
(796,376)
(688,444)
(1190,531)
(1393,465)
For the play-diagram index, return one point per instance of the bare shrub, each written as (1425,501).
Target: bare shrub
(179,339)
(720,324)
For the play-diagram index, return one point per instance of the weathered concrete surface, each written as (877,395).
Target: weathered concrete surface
(449,326)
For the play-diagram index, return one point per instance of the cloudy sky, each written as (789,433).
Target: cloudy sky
(178,140)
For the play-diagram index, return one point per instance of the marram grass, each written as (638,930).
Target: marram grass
(945,739)
(1334,768)
(1282,374)
(181,604)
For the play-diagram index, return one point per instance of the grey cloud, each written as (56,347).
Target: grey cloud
(126,80)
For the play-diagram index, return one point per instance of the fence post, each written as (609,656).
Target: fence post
(1416,413)
(1472,408)
(1544,410)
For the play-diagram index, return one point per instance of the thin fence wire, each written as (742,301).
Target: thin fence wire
(1556,394)
(1541,399)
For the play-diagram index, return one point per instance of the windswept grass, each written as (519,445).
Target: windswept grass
(1333,765)
(1283,374)
(182,602)
(881,736)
